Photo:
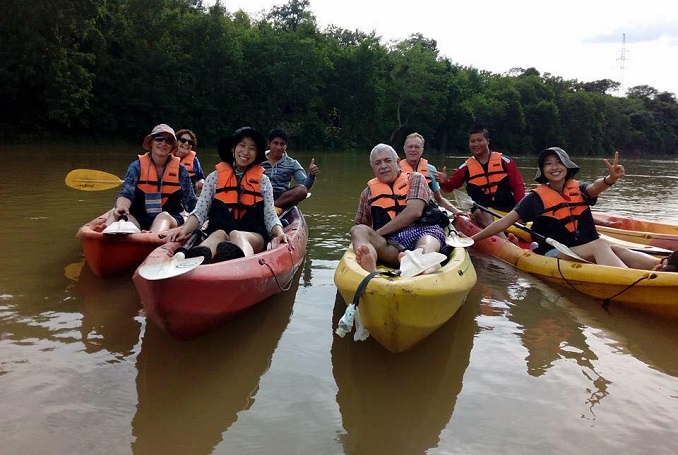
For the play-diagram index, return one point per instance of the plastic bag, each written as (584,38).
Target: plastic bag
(346,322)
(361,333)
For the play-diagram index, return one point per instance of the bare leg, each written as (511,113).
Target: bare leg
(365,235)
(598,251)
(635,259)
(429,244)
(249,242)
(291,197)
(163,222)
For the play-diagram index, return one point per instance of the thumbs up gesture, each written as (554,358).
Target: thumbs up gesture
(441,176)
(313,168)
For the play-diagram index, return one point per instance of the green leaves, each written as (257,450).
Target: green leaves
(123,66)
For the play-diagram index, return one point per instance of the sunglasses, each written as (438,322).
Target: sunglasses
(169,140)
(183,140)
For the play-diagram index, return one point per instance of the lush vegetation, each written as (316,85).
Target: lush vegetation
(118,67)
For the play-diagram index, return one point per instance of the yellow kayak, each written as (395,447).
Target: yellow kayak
(645,290)
(399,312)
(520,233)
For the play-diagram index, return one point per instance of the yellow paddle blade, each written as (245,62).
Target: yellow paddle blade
(92,180)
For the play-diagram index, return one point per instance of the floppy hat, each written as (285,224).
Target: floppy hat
(226,144)
(564,158)
(162,128)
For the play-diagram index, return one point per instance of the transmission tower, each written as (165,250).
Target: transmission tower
(622,64)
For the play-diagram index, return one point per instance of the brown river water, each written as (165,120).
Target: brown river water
(524,367)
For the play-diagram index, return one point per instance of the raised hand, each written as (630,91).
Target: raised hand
(615,169)
(441,176)
(313,168)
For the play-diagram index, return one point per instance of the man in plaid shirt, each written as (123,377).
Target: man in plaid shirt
(388,214)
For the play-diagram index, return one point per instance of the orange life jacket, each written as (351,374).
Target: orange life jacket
(239,196)
(188,160)
(238,205)
(566,217)
(387,201)
(422,168)
(486,181)
(566,207)
(149,181)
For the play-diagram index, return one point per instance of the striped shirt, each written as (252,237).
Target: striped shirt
(281,174)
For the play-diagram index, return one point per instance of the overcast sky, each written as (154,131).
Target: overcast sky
(572,39)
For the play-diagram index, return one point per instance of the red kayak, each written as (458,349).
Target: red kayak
(113,254)
(637,230)
(191,304)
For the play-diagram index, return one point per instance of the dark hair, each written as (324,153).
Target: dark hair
(478,128)
(226,144)
(190,133)
(277,132)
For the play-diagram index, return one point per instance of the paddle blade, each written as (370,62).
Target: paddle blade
(455,241)
(122,226)
(564,249)
(127,227)
(415,262)
(178,265)
(92,180)
(113,228)
(464,201)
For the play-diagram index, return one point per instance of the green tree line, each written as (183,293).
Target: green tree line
(117,67)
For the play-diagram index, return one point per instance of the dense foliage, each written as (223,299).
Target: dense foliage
(118,67)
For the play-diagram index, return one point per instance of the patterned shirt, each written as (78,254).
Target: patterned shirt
(418,190)
(281,174)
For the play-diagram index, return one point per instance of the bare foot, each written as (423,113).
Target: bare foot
(366,257)
(512,238)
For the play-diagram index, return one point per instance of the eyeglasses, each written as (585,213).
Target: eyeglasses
(183,140)
(168,139)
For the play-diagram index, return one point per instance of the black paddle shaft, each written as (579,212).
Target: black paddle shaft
(518,225)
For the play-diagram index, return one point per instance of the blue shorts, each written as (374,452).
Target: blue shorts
(407,238)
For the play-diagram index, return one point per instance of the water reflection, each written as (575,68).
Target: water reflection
(399,403)
(544,323)
(182,398)
(646,337)
(110,310)
(190,392)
